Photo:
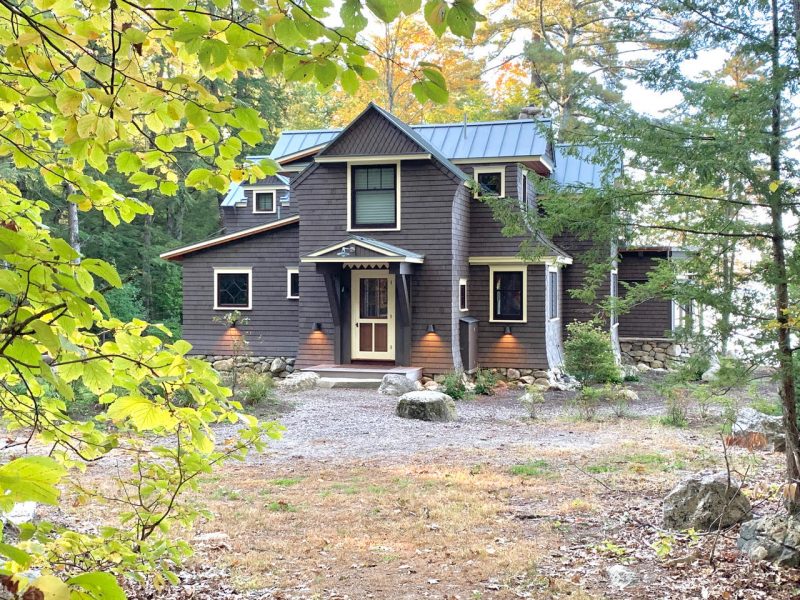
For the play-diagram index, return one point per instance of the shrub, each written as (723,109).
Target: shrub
(677,406)
(620,401)
(587,400)
(532,399)
(589,356)
(695,366)
(453,385)
(768,407)
(485,381)
(257,389)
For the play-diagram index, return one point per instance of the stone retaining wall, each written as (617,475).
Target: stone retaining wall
(511,376)
(278,366)
(649,353)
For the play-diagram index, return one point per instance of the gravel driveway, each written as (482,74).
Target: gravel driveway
(339,424)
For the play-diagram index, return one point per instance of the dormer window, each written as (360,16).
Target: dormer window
(263,201)
(374,197)
(491,180)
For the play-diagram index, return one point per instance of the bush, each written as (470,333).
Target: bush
(620,400)
(587,400)
(677,405)
(695,366)
(485,381)
(589,356)
(257,389)
(532,399)
(453,385)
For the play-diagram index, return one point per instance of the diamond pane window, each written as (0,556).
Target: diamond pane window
(233,289)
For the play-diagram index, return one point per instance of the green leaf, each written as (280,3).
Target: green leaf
(68,101)
(20,557)
(352,18)
(127,162)
(350,82)
(97,376)
(436,16)
(419,91)
(188,32)
(435,77)
(198,177)
(326,72)
(145,414)
(213,53)
(102,586)
(168,188)
(462,17)
(386,10)
(30,478)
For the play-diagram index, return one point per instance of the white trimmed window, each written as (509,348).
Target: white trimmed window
(233,289)
(463,298)
(491,180)
(292,283)
(374,197)
(263,201)
(552,293)
(508,296)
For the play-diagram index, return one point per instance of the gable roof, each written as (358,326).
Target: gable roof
(236,192)
(358,248)
(179,253)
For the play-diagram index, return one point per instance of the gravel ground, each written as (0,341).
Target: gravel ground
(361,424)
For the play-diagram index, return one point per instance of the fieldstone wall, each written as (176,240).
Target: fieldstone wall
(649,353)
(510,376)
(278,366)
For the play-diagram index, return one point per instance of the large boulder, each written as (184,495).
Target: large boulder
(278,366)
(426,406)
(759,430)
(397,385)
(705,502)
(774,539)
(298,381)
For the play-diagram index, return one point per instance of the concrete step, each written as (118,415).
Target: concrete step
(349,383)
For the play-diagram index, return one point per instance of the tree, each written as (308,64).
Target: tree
(717,172)
(139,85)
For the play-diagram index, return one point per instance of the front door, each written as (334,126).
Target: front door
(372,331)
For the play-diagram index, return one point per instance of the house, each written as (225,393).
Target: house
(369,250)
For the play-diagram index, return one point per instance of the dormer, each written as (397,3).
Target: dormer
(251,204)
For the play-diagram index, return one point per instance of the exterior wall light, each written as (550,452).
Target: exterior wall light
(431,328)
(507,330)
(317,326)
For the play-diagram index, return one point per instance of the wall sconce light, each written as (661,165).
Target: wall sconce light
(431,328)
(507,330)
(317,326)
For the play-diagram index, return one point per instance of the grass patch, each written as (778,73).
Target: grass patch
(286,481)
(602,468)
(280,506)
(534,468)
(224,493)
(768,407)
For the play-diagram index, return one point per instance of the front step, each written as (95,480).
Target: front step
(350,383)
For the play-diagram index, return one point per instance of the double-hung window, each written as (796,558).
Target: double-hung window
(233,288)
(508,297)
(263,201)
(374,197)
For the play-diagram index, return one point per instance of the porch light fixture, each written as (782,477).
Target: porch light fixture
(507,330)
(317,326)
(431,328)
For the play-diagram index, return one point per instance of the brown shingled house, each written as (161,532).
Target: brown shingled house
(369,253)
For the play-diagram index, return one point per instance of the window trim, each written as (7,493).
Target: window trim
(550,287)
(289,272)
(524,194)
(519,268)
(463,282)
(233,271)
(351,200)
(496,169)
(265,190)
(613,291)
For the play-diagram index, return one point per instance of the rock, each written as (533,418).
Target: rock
(774,539)
(426,406)
(290,361)
(21,512)
(764,431)
(675,350)
(642,368)
(500,386)
(527,379)
(712,371)
(620,576)
(705,502)
(432,386)
(540,374)
(223,365)
(396,385)
(298,381)
(629,371)
(278,365)
(656,364)
(628,395)
(425,379)
(513,374)
(625,347)
(646,347)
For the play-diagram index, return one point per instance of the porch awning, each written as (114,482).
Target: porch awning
(361,250)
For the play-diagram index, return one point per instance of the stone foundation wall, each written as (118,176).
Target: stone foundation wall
(278,366)
(648,353)
(511,376)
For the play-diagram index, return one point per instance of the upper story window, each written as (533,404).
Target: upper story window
(292,283)
(263,201)
(233,288)
(508,296)
(374,197)
(491,180)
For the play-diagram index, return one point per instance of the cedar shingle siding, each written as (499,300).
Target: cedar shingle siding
(373,135)
(652,318)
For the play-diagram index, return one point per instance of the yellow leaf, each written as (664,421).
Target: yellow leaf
(774,185)
(52,588)
(237,175)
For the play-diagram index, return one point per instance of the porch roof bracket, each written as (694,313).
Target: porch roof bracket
(334,297)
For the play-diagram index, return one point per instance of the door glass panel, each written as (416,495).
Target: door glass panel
(374,298)
(365,337)
(381,337)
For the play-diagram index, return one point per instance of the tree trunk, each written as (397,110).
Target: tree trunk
(74,223)
(147,275)
(787,387)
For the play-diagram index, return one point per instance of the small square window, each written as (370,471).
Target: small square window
(292,283)
(462,294)
(491,180)
(232,289)
(263,202)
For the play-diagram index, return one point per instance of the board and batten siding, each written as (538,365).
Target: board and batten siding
(525,347)
(426,205)
(272,326)
(652,318)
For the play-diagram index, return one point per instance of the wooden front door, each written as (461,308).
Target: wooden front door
(373,314)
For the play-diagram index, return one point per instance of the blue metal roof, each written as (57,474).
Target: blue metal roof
(455,141)
(577,166)
(292,142)
(236,191)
